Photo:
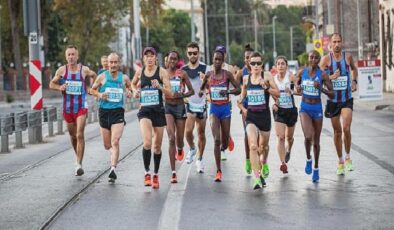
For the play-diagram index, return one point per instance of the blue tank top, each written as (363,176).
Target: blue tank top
(245,75)
(307,84)
(114,88)
(257,98)
(342,85)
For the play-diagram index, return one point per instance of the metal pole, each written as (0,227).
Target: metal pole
(137,29)
(255,29)
(207,60)
(291,42)
(1,56)
(227,39)
(317,18)
(273,34)
(360,46)
(193,34)
(329,11)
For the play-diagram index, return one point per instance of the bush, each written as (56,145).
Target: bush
(9,98)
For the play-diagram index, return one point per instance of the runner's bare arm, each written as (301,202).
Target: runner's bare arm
(237,88)
(166,87)
(354,72)
(273,88)
(242,97)
(297,82)
(54,83)
(97,83)
(188,85)
(134,82)
(326,81)
(204,83)
(127,84)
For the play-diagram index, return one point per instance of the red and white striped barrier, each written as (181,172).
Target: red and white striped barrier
(35,84)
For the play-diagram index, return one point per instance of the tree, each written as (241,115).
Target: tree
(14,10)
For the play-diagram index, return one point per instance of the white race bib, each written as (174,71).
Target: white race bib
(309,89)
(340,83)
(149,97)
(196,108)
(285,100)
(175,85)
(114,94)
(73,87)
(215,93)
(255,96)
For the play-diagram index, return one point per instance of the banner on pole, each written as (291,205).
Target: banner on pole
(370,82)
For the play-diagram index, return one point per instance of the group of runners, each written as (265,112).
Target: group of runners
(180,99)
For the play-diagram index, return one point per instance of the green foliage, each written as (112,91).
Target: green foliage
(237,54)
(303,59)
(9,98)
(172,32)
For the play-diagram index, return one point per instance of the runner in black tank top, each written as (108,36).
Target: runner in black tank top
(153,82)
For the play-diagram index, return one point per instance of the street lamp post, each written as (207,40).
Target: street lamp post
(273,34)
(291,42)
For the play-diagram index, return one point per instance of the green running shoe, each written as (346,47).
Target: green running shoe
(349,165)
(257,183)
(266,170)
(248,166)
(341,169)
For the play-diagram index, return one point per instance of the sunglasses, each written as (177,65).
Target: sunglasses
(192,53)
(253,63)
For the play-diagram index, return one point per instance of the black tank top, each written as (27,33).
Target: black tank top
(151,96)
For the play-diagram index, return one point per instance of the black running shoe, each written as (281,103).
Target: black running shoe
(112,176)
(287,157)
(263,181)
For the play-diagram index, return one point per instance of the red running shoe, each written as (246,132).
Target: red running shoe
(283,168)
(180,155)
(218,177)
(155,184)
(230,144)
(148,181)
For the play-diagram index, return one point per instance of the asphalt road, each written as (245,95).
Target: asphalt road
(38,188)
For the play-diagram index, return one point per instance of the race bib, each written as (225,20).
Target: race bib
(73,87)
(340,83)
(175,85)
(285,100)
(114,94)
(196,108)
(215,93)
(255,96)
(309,89)
(149,97)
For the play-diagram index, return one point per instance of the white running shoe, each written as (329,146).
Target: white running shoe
(190,155)
(79,171)
(223,155)
(200,166)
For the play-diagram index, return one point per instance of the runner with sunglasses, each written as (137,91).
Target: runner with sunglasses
(310,82)
(175,110)
(218,82)
(257,88)
(196,107)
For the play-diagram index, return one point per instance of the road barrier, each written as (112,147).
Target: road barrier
(6,128)
(21,124)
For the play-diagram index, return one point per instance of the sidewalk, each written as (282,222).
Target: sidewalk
(387,103)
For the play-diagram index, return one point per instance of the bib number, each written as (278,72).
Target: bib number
(175,85)
(340,83)
(256,97)
(114,94)
(215,93)
(196,108)
(149,97)
(285,101)
(309,89)
(73,87)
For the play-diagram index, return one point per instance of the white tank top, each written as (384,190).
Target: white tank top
(285,99)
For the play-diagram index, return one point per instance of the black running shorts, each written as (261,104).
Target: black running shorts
(108,117)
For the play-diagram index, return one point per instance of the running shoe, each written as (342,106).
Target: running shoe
(257,184)
(308,167)
(112,176)
(349,165)
(287,157)
(155,184)
(248,166)
(148,180)
(230,144)
(315,176)
(190,155)
(283,168)
(79,171)
(174,179)
(265,169)
(180,155)
(263,181)
(200,166)
(223,155)
(218,177)
(341,169)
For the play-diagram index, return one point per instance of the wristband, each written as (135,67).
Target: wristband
(228,91)
(355,81)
